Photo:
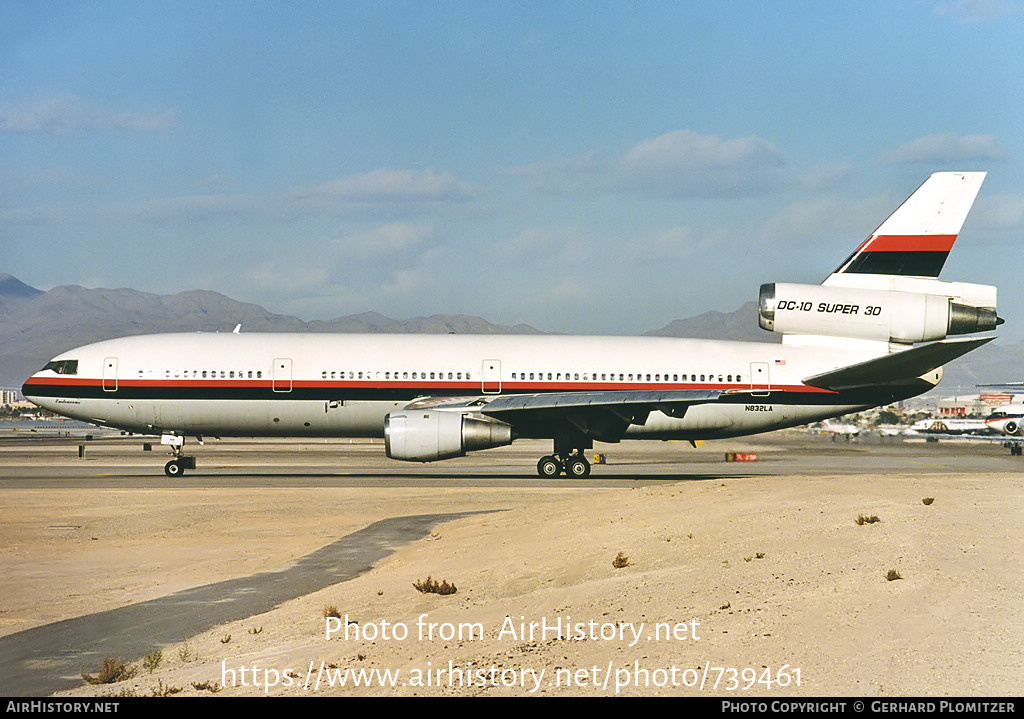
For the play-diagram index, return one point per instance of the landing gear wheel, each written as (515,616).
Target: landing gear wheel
(549,466)
(577,466)
(174,468)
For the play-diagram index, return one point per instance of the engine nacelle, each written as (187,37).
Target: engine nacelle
(429,435)
(882,315)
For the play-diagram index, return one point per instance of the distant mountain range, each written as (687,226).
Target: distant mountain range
(36,325)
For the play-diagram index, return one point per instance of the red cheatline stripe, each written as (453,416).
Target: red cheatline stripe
(436,387)
(908,243)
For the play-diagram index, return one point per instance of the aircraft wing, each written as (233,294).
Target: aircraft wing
(613,398)
(896,367)
(603,414)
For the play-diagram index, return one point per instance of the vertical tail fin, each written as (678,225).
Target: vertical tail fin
(917,237)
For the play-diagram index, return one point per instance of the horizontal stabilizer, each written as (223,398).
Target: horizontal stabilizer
(897,367)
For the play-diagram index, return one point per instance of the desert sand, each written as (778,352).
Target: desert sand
(732,587)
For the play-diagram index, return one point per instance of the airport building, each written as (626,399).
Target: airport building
(973,404)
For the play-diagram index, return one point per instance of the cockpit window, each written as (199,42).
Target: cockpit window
(62,366)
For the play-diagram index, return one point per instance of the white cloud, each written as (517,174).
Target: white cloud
(68,113)
(681,163)
(387,185)
(974,11)
(826,219)
(947,147)
(675,243)
(999,212)
(388,193)
(384,241)
(684,149)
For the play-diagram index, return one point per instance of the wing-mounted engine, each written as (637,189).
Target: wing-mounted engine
(429,435)
(921,310)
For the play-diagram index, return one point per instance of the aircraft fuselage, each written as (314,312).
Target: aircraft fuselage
(323,385)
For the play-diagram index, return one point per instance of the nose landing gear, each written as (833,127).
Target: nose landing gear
(177,466)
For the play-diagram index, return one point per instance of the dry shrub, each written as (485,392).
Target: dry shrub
(114,670)
(620,561)
(432,586)
(862,519)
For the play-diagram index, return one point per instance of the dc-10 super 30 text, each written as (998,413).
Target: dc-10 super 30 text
(876,331)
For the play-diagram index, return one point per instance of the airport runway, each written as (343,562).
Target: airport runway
(121,462)
(372,506)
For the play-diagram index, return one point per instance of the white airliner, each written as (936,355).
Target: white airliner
(1007,420)
(840,428)
(949,426)
(874,332)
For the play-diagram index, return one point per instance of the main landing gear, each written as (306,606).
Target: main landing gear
(574,465)
(177,466)
(567,457)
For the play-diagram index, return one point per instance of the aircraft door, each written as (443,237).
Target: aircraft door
(490,382)
(282,375)
(759,379)
(110,374)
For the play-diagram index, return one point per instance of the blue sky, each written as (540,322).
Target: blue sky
(599,167)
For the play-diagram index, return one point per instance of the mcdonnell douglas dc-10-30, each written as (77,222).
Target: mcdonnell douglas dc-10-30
(876,331)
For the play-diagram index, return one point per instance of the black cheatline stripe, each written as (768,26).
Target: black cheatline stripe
(243,393)
(867,395)
(916,263)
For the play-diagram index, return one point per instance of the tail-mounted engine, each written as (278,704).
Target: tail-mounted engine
(429,435)
(871,314)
